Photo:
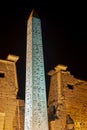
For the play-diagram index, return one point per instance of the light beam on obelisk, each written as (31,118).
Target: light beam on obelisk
(35,93)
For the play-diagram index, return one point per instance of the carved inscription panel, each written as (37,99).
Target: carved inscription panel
(36,107)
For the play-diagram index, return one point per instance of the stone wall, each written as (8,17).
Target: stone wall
(2,120)
(72,111)
(21,109)
(8,93)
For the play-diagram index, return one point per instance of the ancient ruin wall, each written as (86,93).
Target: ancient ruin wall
(73,103)
(8,91)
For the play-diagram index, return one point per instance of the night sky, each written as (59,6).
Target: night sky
(64,33)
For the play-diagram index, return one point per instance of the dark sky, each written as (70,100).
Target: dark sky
(64,32)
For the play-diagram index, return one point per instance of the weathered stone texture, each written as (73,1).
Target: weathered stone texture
(74,103)
(2,120)
(21,109)
(8,95)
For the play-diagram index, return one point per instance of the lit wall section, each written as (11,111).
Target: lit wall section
(35,95)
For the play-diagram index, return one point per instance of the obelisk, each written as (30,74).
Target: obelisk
(35,93)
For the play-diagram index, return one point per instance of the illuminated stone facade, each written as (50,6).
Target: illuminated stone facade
(35,95)
(10,106)
(67,101)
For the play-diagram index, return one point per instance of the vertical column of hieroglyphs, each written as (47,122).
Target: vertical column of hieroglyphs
(39,92)
(28,91)
(35,87)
